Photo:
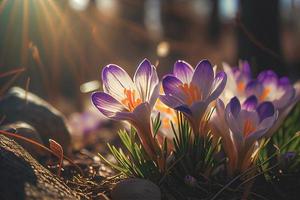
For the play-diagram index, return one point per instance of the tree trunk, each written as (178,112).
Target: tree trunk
(259,34)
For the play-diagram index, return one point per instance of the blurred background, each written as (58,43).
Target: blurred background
(63,44)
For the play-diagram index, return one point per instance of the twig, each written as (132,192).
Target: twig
(12,72)
(254,40)
(27,89)
(40,146)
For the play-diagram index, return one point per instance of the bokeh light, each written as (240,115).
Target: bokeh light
(79,5)
(163,49)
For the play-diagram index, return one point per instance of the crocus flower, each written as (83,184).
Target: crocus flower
(237,80)
(241,127)
(191,91)
(130,100)
(279,91)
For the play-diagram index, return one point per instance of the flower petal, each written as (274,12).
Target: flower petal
(297,90)
(185,109)
(286,97)
(198,109)
(145,79)
(249,117)
(107,105)
(171,86)
(250,103)
(142,114)
(154,95)
(252,138)
(246,69)
(262,130)
(218,86)
(232,111)
(268,122)
(265,110)
(115,80)
(203,77)
(220,107)
(234,106)
(254,88)
(268,77)
(183,71)
(171,101)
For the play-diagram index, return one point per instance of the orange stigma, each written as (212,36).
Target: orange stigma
(265,94)
(130,100)
(248,127)
(192,92)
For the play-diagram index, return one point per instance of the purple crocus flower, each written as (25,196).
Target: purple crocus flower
(130,100)
(240,127)
(269,87)
(237,79)
(191,91)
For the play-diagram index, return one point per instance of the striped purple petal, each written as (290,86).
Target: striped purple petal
(203,77)
(145,79)
(218,86)
(171,86)
(107,105)
(115,80)
(183,71)
(171,101)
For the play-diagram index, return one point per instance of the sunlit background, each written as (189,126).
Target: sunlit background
(63,44)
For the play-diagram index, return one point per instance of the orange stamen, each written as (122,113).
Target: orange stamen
(192,92)
(248,128)
(241,86)
(130,100)
(265,94)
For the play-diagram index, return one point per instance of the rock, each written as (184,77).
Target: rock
(136,189)
(22,177)
(29,108)
(25,130)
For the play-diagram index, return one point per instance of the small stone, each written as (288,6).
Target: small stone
(19,105)
(136,189)
(27,131)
